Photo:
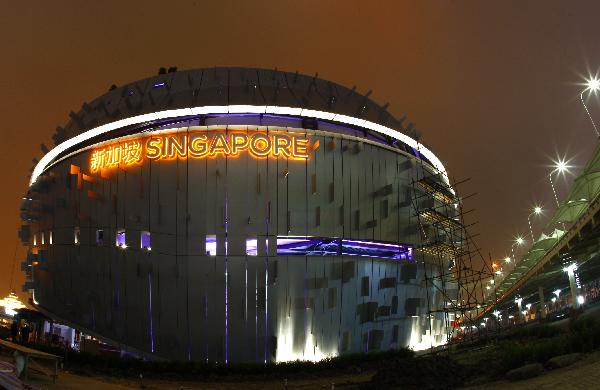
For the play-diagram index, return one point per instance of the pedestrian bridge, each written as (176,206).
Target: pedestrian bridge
(571,247)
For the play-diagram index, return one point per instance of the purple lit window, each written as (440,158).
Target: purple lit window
(211,245)
(321,246)
(145,242)
(252,247)
(159,85)
(307,246)
(376,249)
(120,239)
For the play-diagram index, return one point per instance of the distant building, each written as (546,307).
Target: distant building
(237,215)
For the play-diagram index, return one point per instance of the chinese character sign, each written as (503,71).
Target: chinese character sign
(126,153)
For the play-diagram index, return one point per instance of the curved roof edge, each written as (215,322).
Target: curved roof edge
(229,90)
(55,152)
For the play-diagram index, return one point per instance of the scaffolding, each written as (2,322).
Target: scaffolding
(445,247)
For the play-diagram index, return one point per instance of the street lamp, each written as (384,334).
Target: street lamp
(560,166)
(537,210)
(573,285)
(519,301)
(518,241)
(592,85)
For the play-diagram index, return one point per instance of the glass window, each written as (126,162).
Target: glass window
(35,239)
(99,237)
(120,239)
(324,246)
(307,246)
(211,245)
(43,238)
(50,238)
(251,246)
(77,236)
(376,249)
(145,242)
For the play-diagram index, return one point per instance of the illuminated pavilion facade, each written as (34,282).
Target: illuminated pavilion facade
(235,215)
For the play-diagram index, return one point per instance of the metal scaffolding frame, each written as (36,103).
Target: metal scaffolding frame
(447,250)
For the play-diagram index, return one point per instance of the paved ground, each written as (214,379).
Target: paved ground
(69,381)
(584,374)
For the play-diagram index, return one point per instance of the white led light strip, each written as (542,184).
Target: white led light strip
(237,109)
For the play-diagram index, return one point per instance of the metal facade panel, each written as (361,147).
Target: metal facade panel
(296,192)
(237,198)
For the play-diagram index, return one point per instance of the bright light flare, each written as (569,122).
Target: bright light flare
(507,259)
(592,84)
(519,240)
(561,165)
(537,210)
(11,304)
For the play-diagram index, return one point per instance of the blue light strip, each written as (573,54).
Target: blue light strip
(323,246)
(376,249)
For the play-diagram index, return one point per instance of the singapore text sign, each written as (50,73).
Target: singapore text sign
(202,144)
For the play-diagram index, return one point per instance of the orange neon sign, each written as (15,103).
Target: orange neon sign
(196,145)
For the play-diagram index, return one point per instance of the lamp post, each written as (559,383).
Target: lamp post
(571,270)
(518,241)
(592,85)
(519,301)
(560,166)
(537,210)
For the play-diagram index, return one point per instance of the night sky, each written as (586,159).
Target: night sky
(492,87)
